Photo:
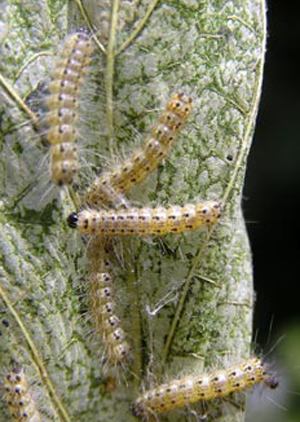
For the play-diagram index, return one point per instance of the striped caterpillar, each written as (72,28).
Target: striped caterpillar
(20,402)
(190,390)
(145,221)
(146,159)
(103,310)
(67,78)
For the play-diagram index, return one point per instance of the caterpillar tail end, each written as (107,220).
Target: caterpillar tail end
(72,220)
(136,410)
(272,381)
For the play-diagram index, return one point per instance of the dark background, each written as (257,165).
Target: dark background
(272,190)
(271,199)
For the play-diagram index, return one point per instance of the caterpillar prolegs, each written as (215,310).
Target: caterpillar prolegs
(63,103)
(189,390)
(146,221)
(146,159)
(20,402)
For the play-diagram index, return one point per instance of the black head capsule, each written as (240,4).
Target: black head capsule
(72,220)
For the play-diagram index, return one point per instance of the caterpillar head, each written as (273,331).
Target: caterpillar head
(72,220)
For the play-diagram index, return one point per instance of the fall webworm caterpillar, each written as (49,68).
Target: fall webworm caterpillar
(63,102)
(20,402)
(189,390)
(146,159)
(103,310)
(145,221)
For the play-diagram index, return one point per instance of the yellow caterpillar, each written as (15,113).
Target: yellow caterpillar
(63,102)
(146,159)
(107,324)
(189,390)
(145,221)
(19,399)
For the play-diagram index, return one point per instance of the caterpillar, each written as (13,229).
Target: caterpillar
(20,402)
(146,159)
(145,221)
(189,390)
(103,310)
(63,103)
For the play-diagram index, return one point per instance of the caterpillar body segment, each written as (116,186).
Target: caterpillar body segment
(59,101)
(146,221)
(113,196)
(147,158)
(143,162)
(107,324)
(20,402)
(61,116)
(63,103)
(64,170)
(193,389)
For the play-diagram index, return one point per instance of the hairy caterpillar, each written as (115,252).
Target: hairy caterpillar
(189,390)
(20,402)
(63,102)
(146,159)
(145,221)
(103,310)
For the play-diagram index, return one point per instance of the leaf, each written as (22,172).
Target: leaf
(187,300)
